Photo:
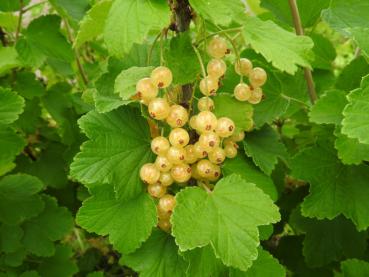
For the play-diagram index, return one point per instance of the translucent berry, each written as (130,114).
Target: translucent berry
(164,224)
(200,152)
(206,121)
(242,92)
(216,68)
(178,116)
(146,90)
(149,173)
(209,141)
(181,173)
(257,77)
(163,164)
(161,77)
(205,104)
(194,173)
(159,108)
(167,203)
(243,67)
(204,168)
(225,127)
(160,145)
(190,157)
(256,96)
(238,136)
(217,156)
(156,190)
(217,47)
(230,151)
(165,179)
(216,172)
(179,137)
(209,86)
(176,155)
(193,122)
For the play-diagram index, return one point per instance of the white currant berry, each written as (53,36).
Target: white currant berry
(209,141)
(230,151)
(205,104)
(199,150)
(216,172)
(193,122)
(194,172)
(257,77)
(163,164)
(217,156)
(159,108)
(238,136)
(243,66)
(209,86)
(204,168)
(146,90)
(162,214)
(161,77)
(149,173)
(242,92)
(216,68)
(164,224)
(165,179)
(156,190)
(178,116)
(217,47)
(225,127)
(179,137)
(160,145)
(190,157)
(181,173)
(206,121)
(176,155)
(256,96)
(167,203)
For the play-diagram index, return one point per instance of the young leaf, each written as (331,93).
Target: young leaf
(227,219)
(8,59)
(163,261)
(355,267)
(11,106)
(119,145)
(127,222)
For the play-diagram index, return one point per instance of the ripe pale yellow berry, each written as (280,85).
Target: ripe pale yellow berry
(193,122)
(167,203)
(146,90)
(225,127)
(209,141)
(190,157)
(176,155)
(204,168)
(165,179)
(216,172)
(256,96)
(161,77)
(178,116)
(164,224)
(200,152)
(230,151)
(149,173)
(179,137)
(160,145)
(156,190)
(216,68)
(243,66)
(181,173)
(209,86)
(238,136)
(242,92)
(206,121)
(159,108)
(163,164)
(217,156)
(217,47)
(205,104)
(257,77)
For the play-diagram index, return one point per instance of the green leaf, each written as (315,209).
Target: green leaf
(30,273)
(328,109)
(20,193)
(10,5)
(10,238)
(324,51)
(355,123)
(11,105)
(11,144)
(326,240)
(44,35)
(9,21)
(264,265)
(227,219)
(331,185)
(125,83)
(8,59)
(247,170)
(204,263)
(164,261)
(129,22)
(60,265)
(283,49)
(70,8)
(93,23)
(352,74)
(218,11)
(181,59)
(119,145)
(264,147)
(355,268)
(52,224)
(240,112)
(128,223)
(28,86)
(28,54)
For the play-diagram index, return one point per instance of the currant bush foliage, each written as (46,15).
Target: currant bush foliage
(248,177)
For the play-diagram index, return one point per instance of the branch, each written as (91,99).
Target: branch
(300,31)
